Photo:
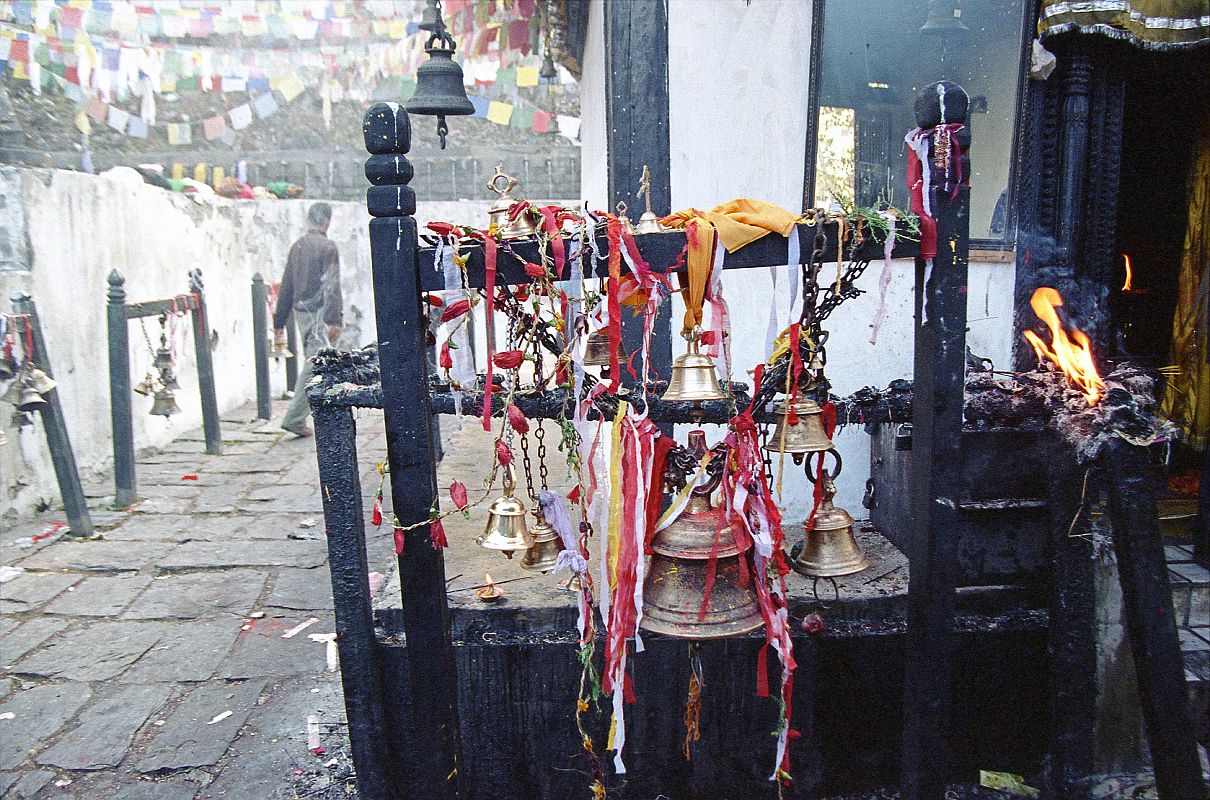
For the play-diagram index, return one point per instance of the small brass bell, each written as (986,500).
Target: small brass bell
(506,529)
(164,404)
(278,350)
(830,549)
(503,184)
(674,593)
(163,358)
(168,380)
(804,436)
(541,555)
(144,387)
(439,91)
(40,381)
(694,378)
(30,399)
(596,350)
(623,220)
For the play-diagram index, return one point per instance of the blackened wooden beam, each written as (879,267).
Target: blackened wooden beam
(205,365)
(401,325)
(344,520)
(936,485)
(75,506)
(636,120)
(154,308)
(1150,621)
(120,410)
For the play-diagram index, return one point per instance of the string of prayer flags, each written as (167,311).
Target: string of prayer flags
(499,113)
(241,116)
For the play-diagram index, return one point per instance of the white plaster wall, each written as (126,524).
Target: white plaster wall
(80,227)
(594,164)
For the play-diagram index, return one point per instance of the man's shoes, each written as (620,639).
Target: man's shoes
(301,431)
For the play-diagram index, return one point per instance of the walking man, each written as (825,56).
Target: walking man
(311,289)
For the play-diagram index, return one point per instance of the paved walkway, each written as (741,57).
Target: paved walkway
(158,661)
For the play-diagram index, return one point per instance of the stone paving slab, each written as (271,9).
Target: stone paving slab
(201,594)
(27,636)
(188,653)
(128,787)
(106,729)
(191,736)
(30,590)
(242,465)
(213,555)
(101,596)
(40,712)
(21,786)
(97,653)
(147,526)
(97,556)
(302,590)
(261,651)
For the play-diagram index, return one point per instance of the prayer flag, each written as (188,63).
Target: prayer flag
(499,113)
(137,127)
(527,76)
(265,105)
(178,172)
(541,122)
(241,116)
(292,86)
(97,110)
(213,127)
(199,171)
(117,119)
(217,176)
(481,105)
(180,133)
(234,85)
(523,118)
(569,126)
(506,76)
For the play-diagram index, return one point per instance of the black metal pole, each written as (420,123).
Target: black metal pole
(120,410)
(937,402)
(292,359)
(1147,596)
(57,440)
(260,346)
(336,451)
(205,366)
(405,400)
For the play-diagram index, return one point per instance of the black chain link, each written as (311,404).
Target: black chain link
(540,435)
(529,473)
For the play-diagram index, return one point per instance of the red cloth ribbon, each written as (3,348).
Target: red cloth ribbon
(489,266)
(508,359)
(458,495)
(437,535)
(613,230)
(455,309)
(517,419)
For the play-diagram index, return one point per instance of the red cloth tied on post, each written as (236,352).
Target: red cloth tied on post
(489,266)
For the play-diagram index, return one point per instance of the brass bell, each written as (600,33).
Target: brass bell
(164,404)
(168,380)
(806,435)
(503,184)
(674,593)
(30,399)
(596,350)
(428,17)
(144,387)
(541,555)
(945,17)
(163,358)
(830,549)
(40,381)
(439,91)
(694,378)
(506,529)
(623,220)
(278,350)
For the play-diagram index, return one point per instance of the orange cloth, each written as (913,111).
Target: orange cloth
(737,223)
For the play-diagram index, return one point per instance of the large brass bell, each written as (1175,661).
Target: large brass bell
(503,184)
(168,380)
(674,593)
(541,555)
(439,89)
(163,358)
(694,378)
(30,399)
(164,404)
(830,549)
(144,387)
(805,435)
(596,350)
(506,529)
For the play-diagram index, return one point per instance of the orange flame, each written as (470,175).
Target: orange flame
(489,590)
(1070,351)
(1128,286)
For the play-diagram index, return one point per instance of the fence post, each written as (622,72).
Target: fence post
(61,455)
(292,359)
(260,347)
(119,393)
(205,366)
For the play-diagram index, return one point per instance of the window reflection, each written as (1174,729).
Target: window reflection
(876,55)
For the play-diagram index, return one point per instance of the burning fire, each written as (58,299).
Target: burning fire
(1070,351)
(1128,286)
(489,591)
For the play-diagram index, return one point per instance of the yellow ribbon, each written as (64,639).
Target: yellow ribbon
(615,494)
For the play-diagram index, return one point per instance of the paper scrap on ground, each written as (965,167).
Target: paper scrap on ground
(299,628)
(220,717)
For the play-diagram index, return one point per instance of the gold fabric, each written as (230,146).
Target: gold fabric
(1151,24)
(1187,396)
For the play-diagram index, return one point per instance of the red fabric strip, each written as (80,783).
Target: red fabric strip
(489,264)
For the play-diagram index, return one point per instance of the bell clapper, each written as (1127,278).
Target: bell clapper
(693,703)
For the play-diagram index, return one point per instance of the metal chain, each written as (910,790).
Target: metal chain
(147,336)
(540,435)
(529,472)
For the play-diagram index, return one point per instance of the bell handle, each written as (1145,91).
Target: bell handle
(441,37)
(832,475)
(510,182)
(509,481)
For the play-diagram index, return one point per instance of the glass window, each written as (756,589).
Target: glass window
(876,55)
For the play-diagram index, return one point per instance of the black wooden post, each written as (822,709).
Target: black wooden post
(292,359)
(636,118)
(260,346)
(57,440)
(937,403)
(120,410)
(336,450)
(1147,596)
(401,345)
(205,366)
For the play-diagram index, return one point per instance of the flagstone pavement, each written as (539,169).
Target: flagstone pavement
(156,660)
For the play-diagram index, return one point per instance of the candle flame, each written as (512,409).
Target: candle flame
(1071,352)
(1128,285)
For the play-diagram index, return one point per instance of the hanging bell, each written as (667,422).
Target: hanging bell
(429,17)
(144,387)
(541,555)
(623,220)
(945,17)
(506,529)
(503,184)
(278,349)
(12,395)
(8,367)
(694,378)
(168,380)
(596,350)
(30,399)
(675,599)
(163,358)
(548,72)
(439,89)
(40,381)
(164,404)
(830,549)
(805,435)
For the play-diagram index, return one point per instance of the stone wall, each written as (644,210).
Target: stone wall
(62,233)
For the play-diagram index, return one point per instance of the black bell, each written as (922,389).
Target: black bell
(429,17)
(439,89)
(548,71)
